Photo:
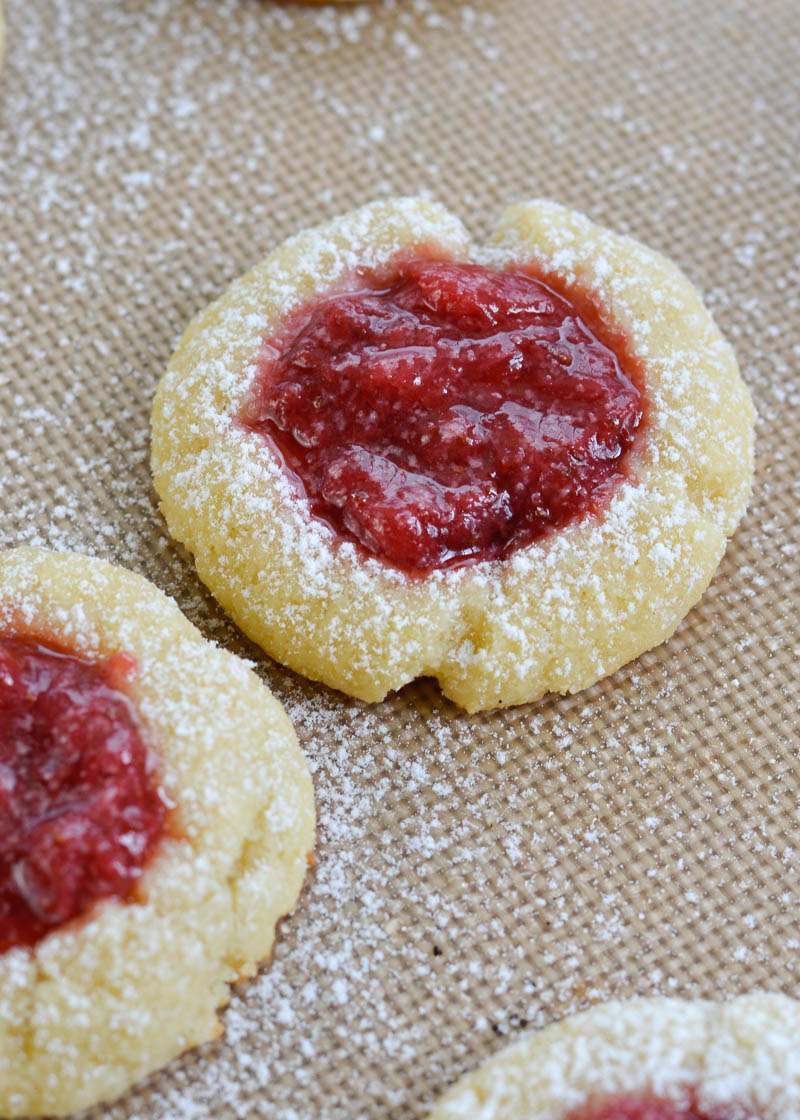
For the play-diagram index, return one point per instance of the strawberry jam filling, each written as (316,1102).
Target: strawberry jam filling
(80,808)
(646,1108)
(446,413)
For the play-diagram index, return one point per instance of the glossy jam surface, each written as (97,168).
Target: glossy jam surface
(80,808)
(446,413)
(643,1108)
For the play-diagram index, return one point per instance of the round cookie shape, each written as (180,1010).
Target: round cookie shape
(116,993)
(555,615)
(644,1059)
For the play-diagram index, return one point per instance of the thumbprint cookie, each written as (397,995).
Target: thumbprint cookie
(156,818)
(514,467)
(646,1059)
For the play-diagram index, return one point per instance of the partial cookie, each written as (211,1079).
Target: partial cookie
(647,1059)
(293,533)
(131,743)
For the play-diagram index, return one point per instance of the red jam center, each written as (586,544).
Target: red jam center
(80,808)
(447,413)
(642,1108)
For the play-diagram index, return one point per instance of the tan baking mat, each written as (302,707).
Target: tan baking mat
(474,875)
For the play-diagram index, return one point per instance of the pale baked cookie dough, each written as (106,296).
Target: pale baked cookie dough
(556,615)
(731,1061)
(100,1003)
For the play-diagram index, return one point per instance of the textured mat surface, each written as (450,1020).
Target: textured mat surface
(474,874)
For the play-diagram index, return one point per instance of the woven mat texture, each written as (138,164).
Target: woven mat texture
(475,875)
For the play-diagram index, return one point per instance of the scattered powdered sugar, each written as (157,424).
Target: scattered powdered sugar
(474,875)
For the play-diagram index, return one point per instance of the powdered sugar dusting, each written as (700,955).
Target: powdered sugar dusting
(488,631)
(640,837)
(705,1058)
(228,865)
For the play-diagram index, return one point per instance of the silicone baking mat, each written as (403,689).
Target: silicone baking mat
(474,875)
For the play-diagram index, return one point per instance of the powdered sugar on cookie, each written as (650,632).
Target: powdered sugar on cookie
(554,616)
(103,1001)
(734,1060)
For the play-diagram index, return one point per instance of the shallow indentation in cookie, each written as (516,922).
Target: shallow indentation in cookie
(79,792)
(440,412)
